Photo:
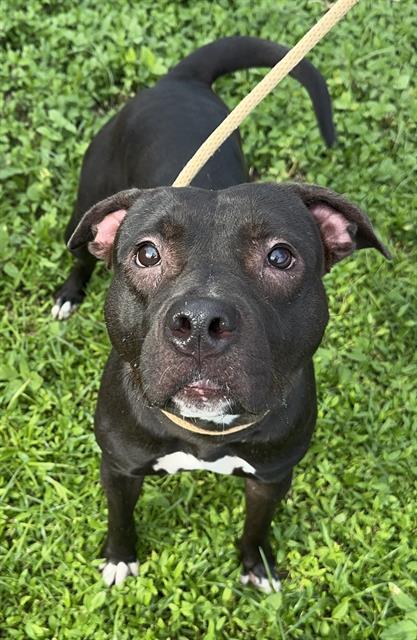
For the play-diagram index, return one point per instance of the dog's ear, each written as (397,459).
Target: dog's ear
(99,225)
(343,226)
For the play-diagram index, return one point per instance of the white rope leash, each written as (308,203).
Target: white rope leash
(261,90)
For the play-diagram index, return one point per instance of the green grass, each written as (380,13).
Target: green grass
(347,531)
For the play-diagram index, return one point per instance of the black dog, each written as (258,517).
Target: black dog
(216,304)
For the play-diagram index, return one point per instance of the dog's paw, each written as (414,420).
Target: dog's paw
(267,585)
(116,573)
(62,309)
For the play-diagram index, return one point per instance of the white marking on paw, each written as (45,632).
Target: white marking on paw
(55,309)
(122,571)
(263,584)
(62,311)
(173,462)
(117,573)
(134,568)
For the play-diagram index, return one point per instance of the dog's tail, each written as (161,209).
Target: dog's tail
(242,52)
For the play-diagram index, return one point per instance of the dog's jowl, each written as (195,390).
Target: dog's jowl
(216,305)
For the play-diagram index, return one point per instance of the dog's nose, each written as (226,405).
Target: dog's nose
(204,326)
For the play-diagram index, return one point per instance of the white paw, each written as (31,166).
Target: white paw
(117,573)
(62,310)
(263,584)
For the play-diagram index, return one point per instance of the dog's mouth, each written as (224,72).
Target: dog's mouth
(203,390)
(206,400)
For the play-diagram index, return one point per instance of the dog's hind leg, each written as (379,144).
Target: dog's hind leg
(72,292)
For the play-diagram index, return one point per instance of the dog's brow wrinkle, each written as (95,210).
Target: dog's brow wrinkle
(170,229)
(259,232)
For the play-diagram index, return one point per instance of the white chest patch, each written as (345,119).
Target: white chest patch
(173,462)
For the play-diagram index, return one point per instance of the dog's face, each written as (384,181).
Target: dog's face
(217,298)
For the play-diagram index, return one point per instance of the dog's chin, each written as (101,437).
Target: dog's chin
(217,412)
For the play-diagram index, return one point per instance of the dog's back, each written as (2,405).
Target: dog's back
(156,133)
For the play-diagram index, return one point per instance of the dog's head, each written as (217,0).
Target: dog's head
(217,298)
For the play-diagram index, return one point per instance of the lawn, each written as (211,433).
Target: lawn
(346,533)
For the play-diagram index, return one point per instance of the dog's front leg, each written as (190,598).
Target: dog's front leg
(120,546)
(261,501)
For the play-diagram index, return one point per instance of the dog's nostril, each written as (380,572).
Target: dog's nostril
(201,325)
(219,328)
(181,326)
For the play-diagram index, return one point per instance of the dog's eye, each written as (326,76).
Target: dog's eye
(147,255)
(280,257)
